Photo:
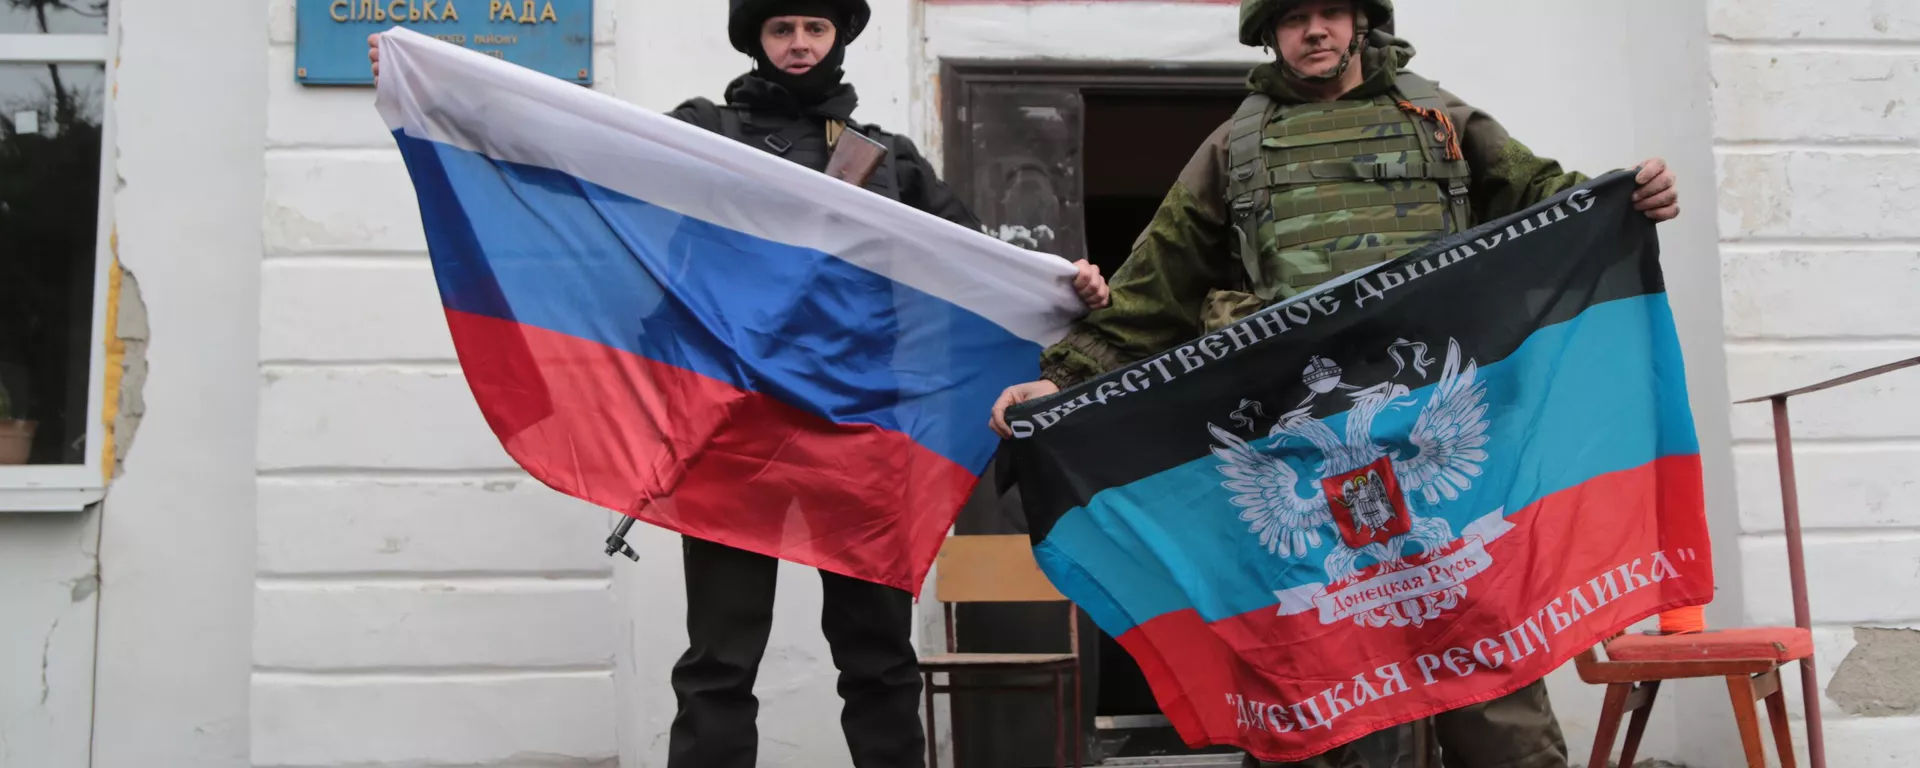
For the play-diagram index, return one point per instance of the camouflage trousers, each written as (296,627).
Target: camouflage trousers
(1514,731)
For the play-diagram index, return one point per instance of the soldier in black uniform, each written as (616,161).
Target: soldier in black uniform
(795,104)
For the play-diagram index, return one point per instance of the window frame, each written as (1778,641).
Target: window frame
(75,487)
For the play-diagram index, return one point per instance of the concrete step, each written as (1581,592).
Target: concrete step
(1131,722)
(1149,740)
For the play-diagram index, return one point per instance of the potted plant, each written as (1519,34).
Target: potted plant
(16,434)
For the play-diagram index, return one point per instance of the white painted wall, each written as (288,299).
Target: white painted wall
(177,545)
(418,600)
(1818,133)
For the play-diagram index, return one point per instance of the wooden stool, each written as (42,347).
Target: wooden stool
(1750,660)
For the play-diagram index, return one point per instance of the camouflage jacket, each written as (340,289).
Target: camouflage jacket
(1185,258)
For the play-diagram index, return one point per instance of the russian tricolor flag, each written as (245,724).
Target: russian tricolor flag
(703,336)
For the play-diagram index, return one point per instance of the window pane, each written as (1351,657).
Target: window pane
(59,17)
(50,118)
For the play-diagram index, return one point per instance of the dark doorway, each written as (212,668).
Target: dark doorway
(1073,161)
(1136,143)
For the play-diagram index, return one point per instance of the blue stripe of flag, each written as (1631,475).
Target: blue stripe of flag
(798,324)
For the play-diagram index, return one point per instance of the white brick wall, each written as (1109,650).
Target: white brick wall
(420,601)
(1814,21)
(505,719)
(458,623)
(333,309)
(1818,128)
(340,526)
(352,416)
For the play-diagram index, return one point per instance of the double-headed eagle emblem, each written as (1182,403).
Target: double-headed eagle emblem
(1361,487)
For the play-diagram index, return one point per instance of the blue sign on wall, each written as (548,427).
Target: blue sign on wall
(550,36)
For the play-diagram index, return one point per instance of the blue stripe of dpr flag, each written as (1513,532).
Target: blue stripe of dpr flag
(1600,393)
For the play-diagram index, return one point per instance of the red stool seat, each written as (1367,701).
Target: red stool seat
(1781,644)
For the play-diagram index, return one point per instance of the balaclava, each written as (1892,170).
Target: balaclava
(820,81)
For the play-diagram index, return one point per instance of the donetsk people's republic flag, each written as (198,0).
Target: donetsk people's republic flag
(1419,487)
(704,336)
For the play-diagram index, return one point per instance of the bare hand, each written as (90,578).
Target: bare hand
(1659,192)
(1090,285)
(373,55)
(1018,393)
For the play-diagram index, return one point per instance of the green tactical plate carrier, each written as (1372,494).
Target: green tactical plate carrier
(1315,191)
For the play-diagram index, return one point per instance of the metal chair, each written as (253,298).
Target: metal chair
(1001,569)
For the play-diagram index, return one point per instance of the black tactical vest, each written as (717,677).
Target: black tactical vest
(803,140)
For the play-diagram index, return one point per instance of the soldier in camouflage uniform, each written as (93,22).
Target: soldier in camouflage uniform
(1338,159)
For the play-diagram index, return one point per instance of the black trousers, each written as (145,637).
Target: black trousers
(730,613)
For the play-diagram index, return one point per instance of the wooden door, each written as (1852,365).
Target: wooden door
(1019,146)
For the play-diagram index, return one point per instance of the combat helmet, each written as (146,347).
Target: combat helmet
(1256,17)
(744,17)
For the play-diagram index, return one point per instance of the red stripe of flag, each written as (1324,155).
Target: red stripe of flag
(610,427)
(1210,680)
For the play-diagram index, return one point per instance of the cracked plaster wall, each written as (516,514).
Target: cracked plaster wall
(49,589)
(1880,677)
(49,595)
(132,334)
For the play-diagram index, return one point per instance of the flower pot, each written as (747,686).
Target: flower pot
(16,441)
